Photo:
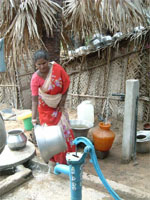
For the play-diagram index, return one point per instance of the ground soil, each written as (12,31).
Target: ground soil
(135,173)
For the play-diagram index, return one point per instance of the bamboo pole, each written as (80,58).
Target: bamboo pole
(105,97)
(8,85)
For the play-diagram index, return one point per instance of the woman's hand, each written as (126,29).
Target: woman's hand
(34,122)
(34,109)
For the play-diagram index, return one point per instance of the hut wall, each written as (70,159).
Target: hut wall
(15,86)
(95,77)
(24,78)
(8,88)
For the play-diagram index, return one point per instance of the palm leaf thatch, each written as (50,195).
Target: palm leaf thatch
(19,25)
(22,21)
(120,15)
(78,16)
(86,17)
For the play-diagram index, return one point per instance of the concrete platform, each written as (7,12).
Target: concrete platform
(9,158)
(46,186)
(95,187)
(58,187)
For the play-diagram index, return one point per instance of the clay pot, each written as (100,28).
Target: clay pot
(146,126)
(103,137)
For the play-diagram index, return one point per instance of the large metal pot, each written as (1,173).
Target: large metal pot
(2,134)
(143,141)
(16,139)
(50,141)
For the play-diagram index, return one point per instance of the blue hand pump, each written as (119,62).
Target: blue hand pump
(74,169)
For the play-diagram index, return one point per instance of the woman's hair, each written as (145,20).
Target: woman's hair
(40,54)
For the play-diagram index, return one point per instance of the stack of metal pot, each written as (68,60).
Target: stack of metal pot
(99,41)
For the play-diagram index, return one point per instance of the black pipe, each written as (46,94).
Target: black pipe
(122,96)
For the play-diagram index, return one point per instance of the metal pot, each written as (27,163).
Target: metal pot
(107,39)
(80,127)
(2,134)
(83,50)
(77,51)
(16,139)
(50,141)
(97,35)
(138,29)
(143,142)
(71,53)
(96,42)
(117,35)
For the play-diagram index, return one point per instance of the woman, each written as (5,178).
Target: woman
(49,86)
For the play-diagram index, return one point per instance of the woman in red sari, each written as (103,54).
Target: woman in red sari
(49,86)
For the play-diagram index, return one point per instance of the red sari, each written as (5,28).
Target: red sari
(50,116)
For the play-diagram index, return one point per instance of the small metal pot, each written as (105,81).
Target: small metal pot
(77,51)
(107,39)
(138,29)
(96,42)
(16,139)
(117,35)
(83,50)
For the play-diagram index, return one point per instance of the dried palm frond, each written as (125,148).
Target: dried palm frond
(22,21)
(79,16)
(86,17)
(120,15)
(20,28)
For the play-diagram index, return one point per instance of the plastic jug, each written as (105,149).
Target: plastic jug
(85,111)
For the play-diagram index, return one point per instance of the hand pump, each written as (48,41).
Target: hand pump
(74,169)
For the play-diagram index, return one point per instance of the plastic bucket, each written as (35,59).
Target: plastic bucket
(28,124)
(26,117)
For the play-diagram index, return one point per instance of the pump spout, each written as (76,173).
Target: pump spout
(60,168)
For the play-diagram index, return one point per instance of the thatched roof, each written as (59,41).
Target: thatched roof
(22,21)
(21,24)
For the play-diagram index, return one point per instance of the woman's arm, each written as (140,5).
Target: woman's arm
(62,101)
(34,109)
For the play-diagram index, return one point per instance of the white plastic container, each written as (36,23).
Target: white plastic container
(85,111)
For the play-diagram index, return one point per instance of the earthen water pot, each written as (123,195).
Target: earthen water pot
(103,137)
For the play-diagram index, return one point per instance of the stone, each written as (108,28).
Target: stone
(15,180)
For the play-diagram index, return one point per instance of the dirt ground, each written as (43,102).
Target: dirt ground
(135,174)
